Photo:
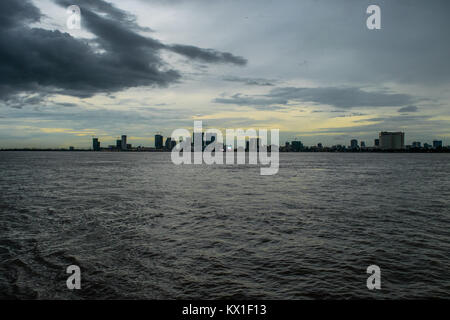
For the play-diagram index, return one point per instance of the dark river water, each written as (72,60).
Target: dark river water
(139,226)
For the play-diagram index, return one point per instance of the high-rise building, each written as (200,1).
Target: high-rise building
(95,144)
(168,143)
(119,144)
(297,145)
(158,141)
(123,144)
(437,144)
(354,144)
(392,140)
(363,144)
(376,143)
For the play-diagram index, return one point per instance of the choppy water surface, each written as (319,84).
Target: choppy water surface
(141,227)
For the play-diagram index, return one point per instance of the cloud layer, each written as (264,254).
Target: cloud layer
(346,98)
(119,57)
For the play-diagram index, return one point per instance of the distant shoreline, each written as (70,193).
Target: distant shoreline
(442,150)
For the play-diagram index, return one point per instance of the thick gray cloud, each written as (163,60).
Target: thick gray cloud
(348,97)
(327,41)
(408,109)
(49,62)
(15,13)
(206,55)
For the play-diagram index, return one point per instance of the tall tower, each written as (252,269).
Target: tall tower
(124,142)
(95,144)
(158,141)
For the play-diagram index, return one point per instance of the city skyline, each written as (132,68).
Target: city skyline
(311,69)
(162,142)
(386,141)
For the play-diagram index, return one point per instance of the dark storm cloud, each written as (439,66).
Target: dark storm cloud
(14,13)
(206,55)
(333,96)
(49,62)
(408,109)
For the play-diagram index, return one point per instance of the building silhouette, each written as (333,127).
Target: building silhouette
(437,144)
(168,143)
(416,144)
(297,145)
(392,140)
(123,144)
(158,141)
(95,144)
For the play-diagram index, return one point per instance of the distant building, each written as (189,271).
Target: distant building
(319,145)
(426,145)
(416,144)
(168,144)
(71,148)
(437,144)
(297,145)
(173,143)
(123,144)
(376,143)
(95,144)
(363,144)
(392,140)
(158,141)
(119,144)
(354,144)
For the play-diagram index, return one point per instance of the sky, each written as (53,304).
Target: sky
(310,68)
